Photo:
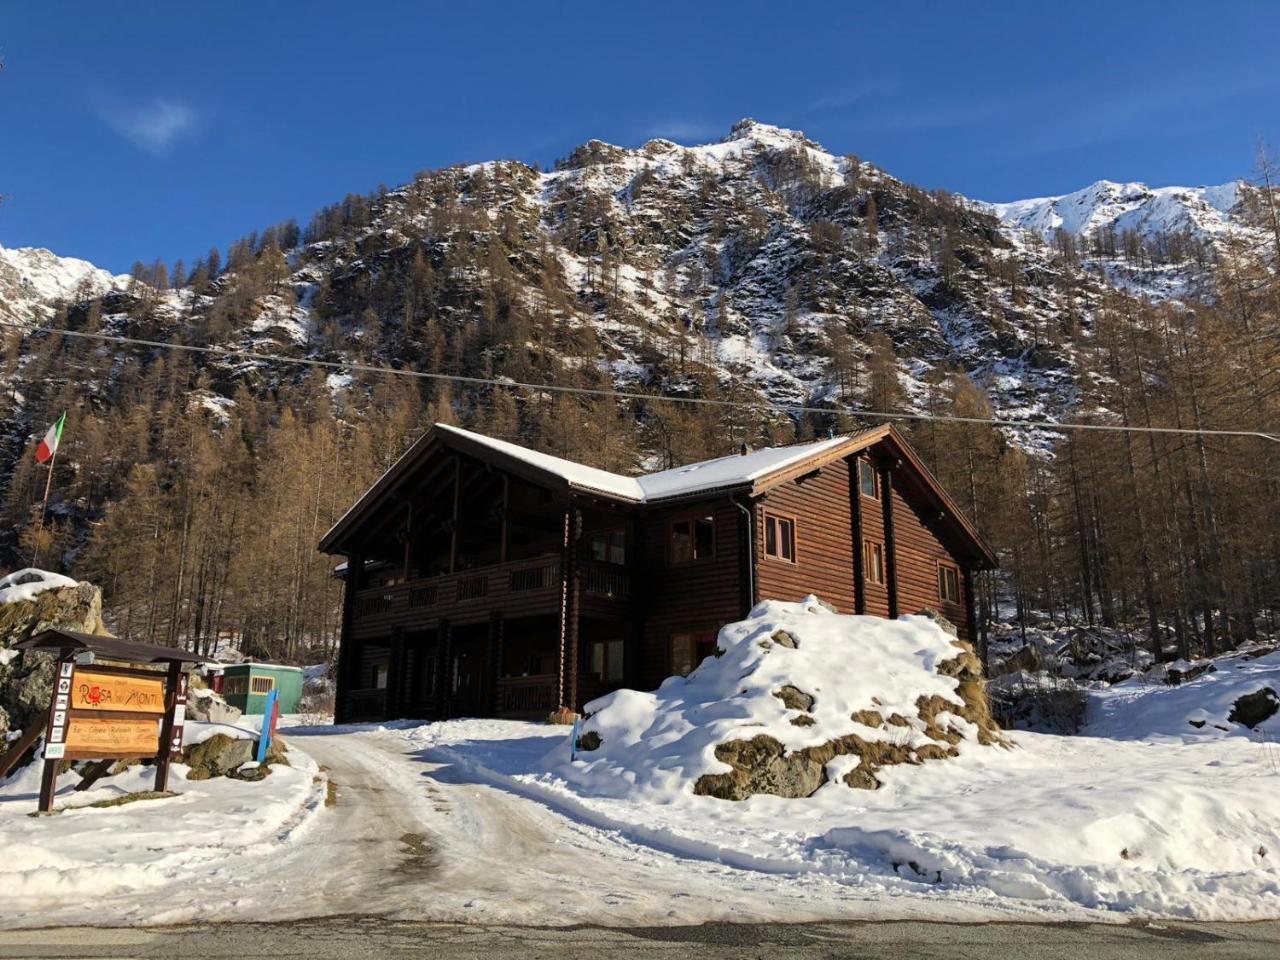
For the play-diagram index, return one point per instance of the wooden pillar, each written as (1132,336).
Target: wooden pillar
(395,675)
(408,540)
(855,525)
(346,645)
(457,505)
(171,729)
(575,593)
(444,687)
(506,506)
(568,667)
(890,548)
(493,662)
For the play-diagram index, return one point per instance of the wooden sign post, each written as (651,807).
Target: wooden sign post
(113,713)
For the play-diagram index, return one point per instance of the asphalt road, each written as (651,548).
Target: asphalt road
(355,938)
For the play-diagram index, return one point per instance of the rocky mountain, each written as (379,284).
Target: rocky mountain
(1206,213)
(33,281)
(759,266)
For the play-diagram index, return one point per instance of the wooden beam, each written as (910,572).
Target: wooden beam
(23,745)
(890,549)
(96,771)
(175,694)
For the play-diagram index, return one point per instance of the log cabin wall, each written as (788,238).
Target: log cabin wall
(877,594)
(920,549)
(685,597)
(820,507)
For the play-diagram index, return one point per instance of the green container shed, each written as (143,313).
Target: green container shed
(246,685)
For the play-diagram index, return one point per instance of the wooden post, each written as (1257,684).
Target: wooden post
(346,645)
(23,745)
(575,592)
(444,643)
(56,736)
(493,661)
(855,523)
(395,674)
(171,729)
(564,604)
(890,551)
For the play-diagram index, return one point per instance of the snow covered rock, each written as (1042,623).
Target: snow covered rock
(797,695)
(31,601)
(204,704)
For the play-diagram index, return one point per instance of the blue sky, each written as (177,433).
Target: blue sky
(148,130)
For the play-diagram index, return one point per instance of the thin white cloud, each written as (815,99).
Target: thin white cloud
(152,127)
(685,131)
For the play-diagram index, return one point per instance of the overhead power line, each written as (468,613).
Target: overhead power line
(354,367)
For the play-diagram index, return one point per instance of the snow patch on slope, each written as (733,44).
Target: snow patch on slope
(33,280)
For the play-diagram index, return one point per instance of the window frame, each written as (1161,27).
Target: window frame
(867,544)
(256,680)
(771,516)
(945,566)
(606,660)
(608,533)
(694,633)
(875,479)
(692,519)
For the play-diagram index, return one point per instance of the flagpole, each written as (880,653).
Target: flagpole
(35,560)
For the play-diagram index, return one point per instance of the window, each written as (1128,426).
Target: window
(263,684)
(235,686)
(690,649)
(867,480)
(691,539)
(948,583)
(380,676)
(780,537)
(873,561)
(609,546)
(608,660)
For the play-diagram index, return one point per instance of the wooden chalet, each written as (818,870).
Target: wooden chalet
(487,579)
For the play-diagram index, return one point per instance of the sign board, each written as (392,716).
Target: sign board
(113,737)
(126,693)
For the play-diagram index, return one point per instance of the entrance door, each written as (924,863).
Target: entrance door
(467,694)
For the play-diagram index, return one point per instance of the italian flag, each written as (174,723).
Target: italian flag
(49,445)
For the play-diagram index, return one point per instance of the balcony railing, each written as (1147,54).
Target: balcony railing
(606,580)
(437,595)
(534,695)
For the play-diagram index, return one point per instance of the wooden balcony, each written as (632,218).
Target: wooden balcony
(533,696)
(518,588)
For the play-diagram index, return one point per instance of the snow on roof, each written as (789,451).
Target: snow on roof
(731,471)
(575,474)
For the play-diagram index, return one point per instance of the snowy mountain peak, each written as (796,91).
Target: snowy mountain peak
(33,280)
(1203,212)
(749,128)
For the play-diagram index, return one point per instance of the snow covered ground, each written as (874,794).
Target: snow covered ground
(1147,815)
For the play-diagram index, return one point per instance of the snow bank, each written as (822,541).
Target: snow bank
(121,851)
(1150,815)
(1204,708)
(30,582)
(796,673)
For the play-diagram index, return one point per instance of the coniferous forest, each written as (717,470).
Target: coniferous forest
(193,486)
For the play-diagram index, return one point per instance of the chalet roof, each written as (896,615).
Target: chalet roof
(753,471)
(113,648)
(732,471)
